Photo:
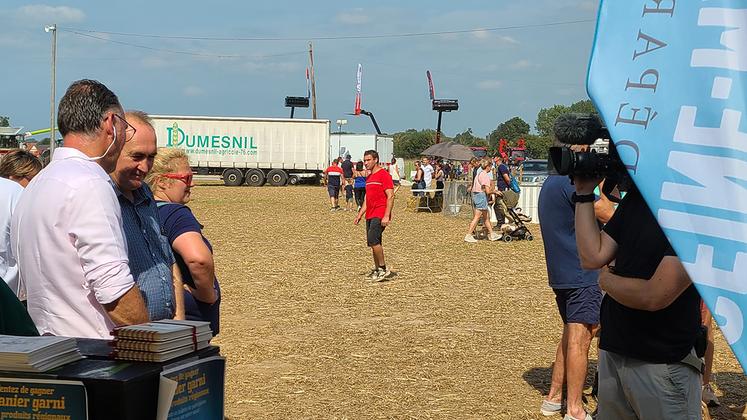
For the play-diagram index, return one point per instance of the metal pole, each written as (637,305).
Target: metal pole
(438,129)
(52,142)
(313,82)
(293,108)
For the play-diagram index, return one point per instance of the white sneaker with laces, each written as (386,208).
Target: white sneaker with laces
(495,237)
(470,238)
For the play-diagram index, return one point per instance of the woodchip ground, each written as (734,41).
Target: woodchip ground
(463,331)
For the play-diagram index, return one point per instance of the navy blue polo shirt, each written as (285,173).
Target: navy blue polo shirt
(557,222)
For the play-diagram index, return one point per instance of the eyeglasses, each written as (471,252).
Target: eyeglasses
(185,178)
(129,131)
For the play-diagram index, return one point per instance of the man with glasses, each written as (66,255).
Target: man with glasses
(151,259)
(66,232)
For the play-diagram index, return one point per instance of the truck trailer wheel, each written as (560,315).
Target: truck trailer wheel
(255,178)
(293,180)
(233,177)
(277,178)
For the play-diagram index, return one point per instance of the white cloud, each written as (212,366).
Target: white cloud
(490,84)
(481,34)
(354,17)
(50,14)
(523,64)
(193,91)
(508,40)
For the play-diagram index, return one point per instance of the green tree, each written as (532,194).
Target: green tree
(537,146)
(411,143)
(547,116)
(585,106)
(511,130)
(467,138)
(4,121)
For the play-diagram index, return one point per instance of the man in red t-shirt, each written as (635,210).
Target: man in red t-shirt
(333,177)
(378,210)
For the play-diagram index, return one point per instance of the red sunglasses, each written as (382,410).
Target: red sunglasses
(185,178)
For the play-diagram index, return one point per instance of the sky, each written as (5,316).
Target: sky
(499,58)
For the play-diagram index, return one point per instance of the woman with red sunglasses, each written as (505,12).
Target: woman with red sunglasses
(171,182)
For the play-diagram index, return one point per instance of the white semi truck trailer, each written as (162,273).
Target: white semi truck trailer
(254,151)
(355,145)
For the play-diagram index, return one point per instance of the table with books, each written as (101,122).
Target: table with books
(163,369)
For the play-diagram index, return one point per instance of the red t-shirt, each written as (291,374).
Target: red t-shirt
(376,184)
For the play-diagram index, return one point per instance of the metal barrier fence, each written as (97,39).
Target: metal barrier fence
(458,202)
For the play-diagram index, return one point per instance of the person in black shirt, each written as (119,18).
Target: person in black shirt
(347,169)
(650,314)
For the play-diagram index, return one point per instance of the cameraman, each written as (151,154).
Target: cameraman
(650,317)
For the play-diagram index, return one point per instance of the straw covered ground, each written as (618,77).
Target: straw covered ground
(464,330)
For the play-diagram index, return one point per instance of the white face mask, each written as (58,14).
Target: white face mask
(108,148)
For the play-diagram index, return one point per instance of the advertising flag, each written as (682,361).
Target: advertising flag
(670,81)
(308,80)
(358,80)
(431,91)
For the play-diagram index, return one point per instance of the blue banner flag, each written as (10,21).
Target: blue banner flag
(670,81)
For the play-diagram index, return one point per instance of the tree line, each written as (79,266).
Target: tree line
(411,143)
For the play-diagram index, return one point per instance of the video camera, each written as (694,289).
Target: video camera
(599,159)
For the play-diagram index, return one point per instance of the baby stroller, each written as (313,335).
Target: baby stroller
(515,229)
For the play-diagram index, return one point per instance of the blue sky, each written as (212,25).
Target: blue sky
(495,75)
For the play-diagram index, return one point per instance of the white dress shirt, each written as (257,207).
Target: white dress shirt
(68,241)
(10,192)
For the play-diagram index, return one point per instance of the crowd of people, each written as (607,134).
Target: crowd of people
(344,176)
(102,237)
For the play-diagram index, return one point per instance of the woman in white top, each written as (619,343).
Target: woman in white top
(394,172)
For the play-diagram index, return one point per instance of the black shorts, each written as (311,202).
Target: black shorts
(374,229)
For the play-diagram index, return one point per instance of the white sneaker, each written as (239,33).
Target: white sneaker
(384,275)
(709,396)
(470,238)
(495,237)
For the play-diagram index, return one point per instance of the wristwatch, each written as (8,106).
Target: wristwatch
(584,198)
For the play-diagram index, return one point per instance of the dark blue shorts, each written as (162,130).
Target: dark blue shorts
(333,190)
(580,305)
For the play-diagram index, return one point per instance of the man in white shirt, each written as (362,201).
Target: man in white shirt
(427,173)
(10,192)
(66,231)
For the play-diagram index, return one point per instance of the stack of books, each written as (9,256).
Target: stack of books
(36,354)
(160,341)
